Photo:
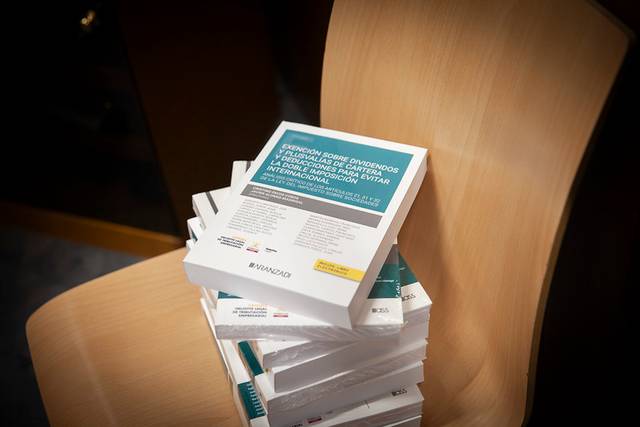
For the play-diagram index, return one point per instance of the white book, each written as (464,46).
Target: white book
(311,223)
(207,204)
(411,422)
(246,400)
(341,359)
(290,400)
(376,412)
(416,306)
(402,404)
(398,379)
(195,229)
(238,170)
(242,319)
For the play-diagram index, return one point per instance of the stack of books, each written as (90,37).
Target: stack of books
(316,314)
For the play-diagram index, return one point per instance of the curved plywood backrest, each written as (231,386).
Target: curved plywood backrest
(506,95)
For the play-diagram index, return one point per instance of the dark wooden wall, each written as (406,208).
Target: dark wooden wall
(206,81)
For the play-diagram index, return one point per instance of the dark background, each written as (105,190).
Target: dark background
(124,118)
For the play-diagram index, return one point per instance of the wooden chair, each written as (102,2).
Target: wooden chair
(506,95)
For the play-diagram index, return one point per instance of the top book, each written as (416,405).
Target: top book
(311,223)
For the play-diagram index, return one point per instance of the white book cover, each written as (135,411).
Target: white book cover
(381,410)
(311,222)
(207,204)
(416,306)
(289,400)
(242,319)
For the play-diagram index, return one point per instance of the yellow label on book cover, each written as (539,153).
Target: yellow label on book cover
(338,270)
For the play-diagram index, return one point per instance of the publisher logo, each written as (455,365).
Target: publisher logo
(270,270)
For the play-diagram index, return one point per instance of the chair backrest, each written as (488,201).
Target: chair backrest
(506,95)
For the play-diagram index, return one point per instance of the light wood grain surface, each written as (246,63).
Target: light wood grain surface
(506,95)
(131,348)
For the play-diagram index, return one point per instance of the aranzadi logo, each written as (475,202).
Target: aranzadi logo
(271,270)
